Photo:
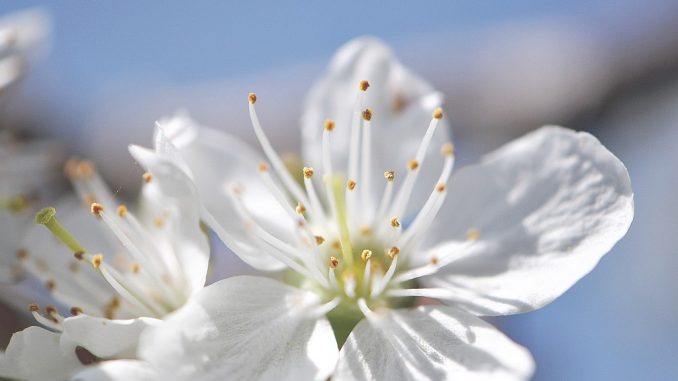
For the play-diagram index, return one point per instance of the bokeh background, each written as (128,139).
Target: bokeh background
(110,69)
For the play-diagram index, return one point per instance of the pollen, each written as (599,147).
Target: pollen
(364,85)
(438,113)
(440,188)
(263,167)
(300,209)
(447,150)
(334,262)
(367,114)
(389,175)
(308,172)
(252,98)
(75,311)
(147,177)
(33,307)
(412,165)
(350,184)
(319,240)
(122,210)
(96,208)
(329,125)
(97,260)
(393,252)
(366,255)
(473,234)
(395,222)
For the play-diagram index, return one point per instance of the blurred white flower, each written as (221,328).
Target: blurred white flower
(20,34)
(122,273)
(507,235)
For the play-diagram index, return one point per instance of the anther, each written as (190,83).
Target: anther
(135,268)
(434,260)
(350,184)
(392,252)
(336,245)
(365,230)
(447,150)
(473,234)
(412,164)
(22,254)
(395,222)
(440,188)
(79,255)
(308,172)
(334,262)
(159,222)
(329,125)
(33,307)
(147,177)
(252,98)
(71,167)
(438,113)
(75,311)
(300,209)
(97,260)
(367,114)
(50,284)
(364,85)
(263,167)
(365,255)
(319,240)
(85,169)
(122,210)
(389,175)
(51,311)
(97,209)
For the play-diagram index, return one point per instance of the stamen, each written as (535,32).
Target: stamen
(147,177)
(308,172)
(412,165)
(75,311)
(438,113)
(317,212)
(395,222)
(334,262)
(473,234)
(263,167)
(447,149)
(389,175)
(369,314)
(329,125)
(364,85)
(388,193)
(381,285)
(135,268)
(319,240)
(97,260)
(325,308)
(33,307)
(47,217)
(300,208)
(96,209)
(393,252)
(353,156)
(366,255)
(366,167)
(350,184)
(122,210)
(50,285)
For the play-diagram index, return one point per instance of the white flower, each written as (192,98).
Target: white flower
(119,273)
(507,235)
(20,34)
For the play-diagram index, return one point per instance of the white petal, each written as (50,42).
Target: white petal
(548,206)
(217,162)
(430,343)
(244,328)
(34,354)
(104,338)
(118,370)
(396,132)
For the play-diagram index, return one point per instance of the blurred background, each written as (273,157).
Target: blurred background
(108,70)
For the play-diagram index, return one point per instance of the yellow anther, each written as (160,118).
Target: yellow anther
(85,169)
(147,177)
(392,252)
(395,222)
(365,230)
(122,210)
(364,85)
(159,222)
(329,125)
(472,234)
(366,255)
(97,260)
(447,149)
(350,184)
(334,262)
(308,172)
(440,188)
(367,114)
(96,208)
(336,245)
(252,98)
(75,311)
(319,240)
(33,307)
(434,260)
(263,167)
(412,164)
(438,113)
(300,209)
(389,175)
(135,268)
